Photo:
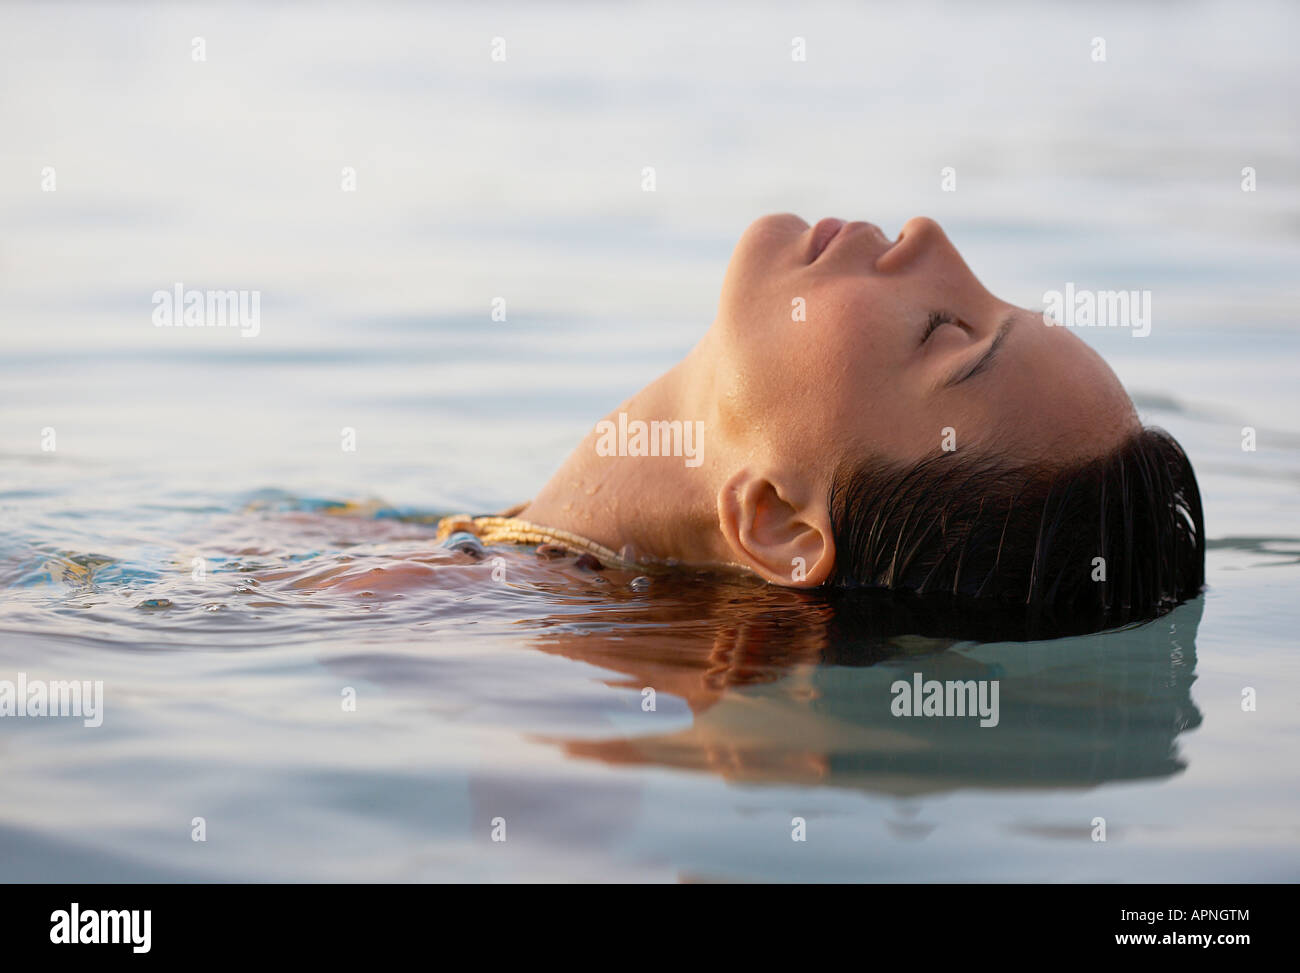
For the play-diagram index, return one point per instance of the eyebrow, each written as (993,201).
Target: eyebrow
(986,359)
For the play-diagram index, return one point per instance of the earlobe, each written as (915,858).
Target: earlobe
(781,540)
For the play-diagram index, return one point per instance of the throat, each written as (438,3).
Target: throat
(640,507)
(641,480)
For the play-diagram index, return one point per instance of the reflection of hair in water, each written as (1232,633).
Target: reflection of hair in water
(1082,548)
(788,686)
(803,695)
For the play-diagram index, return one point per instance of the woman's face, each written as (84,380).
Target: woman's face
(897,348)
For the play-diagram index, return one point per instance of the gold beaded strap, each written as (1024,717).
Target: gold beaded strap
(512,530)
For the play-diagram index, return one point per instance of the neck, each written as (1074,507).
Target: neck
(644,505)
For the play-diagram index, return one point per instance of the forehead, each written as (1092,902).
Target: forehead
(1051,396)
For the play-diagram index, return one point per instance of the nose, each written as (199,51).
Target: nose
(919,236)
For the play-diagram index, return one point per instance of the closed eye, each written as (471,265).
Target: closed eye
(936,319)
(983,362)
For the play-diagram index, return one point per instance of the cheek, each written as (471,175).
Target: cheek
(847,338)
(860,367)
(829,377)
(803,351)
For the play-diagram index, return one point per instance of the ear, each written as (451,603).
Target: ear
(786,542)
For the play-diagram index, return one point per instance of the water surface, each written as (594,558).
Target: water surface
(522,698)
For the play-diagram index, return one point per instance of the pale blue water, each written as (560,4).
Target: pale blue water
(521,180)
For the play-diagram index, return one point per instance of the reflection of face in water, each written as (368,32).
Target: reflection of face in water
(762,684)
(783,694)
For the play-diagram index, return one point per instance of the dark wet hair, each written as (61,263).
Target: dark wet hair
(974,530)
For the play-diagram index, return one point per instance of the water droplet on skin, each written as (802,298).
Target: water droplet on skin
(641,583)
(214,607)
